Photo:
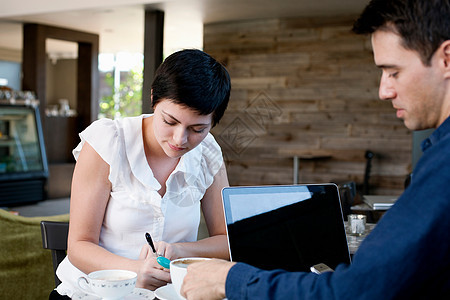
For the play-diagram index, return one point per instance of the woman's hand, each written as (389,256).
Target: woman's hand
(170,251)
(151,275)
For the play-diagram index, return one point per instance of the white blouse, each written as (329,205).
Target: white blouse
(135,206)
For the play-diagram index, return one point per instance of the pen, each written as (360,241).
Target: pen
(164,262)
(149,241)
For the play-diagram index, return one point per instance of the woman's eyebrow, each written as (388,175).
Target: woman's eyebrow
(169,115)
(175,119)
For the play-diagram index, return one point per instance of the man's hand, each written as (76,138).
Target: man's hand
(206,280)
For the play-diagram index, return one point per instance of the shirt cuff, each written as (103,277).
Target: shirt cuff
(238,278)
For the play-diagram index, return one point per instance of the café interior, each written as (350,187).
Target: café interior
(304,104)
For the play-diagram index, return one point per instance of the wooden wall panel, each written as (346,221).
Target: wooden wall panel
(305,83)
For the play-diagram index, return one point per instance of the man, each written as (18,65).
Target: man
(407,255)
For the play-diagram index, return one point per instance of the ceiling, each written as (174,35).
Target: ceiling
(120,23)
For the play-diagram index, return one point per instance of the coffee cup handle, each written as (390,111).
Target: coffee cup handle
(83,284)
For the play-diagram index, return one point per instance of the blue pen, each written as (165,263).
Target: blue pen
(164,262)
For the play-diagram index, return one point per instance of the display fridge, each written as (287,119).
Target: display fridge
(23,162)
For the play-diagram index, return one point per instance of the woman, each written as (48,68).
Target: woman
(148,174)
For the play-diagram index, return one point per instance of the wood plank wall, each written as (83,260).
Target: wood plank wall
(305,83)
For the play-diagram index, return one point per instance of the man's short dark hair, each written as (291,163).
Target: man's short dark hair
(194,79)
(423,25)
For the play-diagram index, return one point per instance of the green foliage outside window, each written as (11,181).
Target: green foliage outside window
(127,100)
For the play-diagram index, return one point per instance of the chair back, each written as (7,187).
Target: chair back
(369,156)
(54,237)
(346,197)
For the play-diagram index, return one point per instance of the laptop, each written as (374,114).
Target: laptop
(285,227)
(380,202)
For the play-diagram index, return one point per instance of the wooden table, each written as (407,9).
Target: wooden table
(298,154)
(355,241)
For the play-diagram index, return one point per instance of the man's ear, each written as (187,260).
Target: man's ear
(445,50)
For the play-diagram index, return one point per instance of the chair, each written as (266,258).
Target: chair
(369,156)
(54,237)
(347,193)
(26,270)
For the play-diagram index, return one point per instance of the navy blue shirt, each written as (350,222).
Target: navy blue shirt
(407,255)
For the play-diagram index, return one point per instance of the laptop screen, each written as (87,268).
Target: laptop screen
(285,227)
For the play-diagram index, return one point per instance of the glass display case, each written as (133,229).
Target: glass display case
(23,162)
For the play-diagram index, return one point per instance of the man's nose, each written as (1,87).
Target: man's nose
(386,90)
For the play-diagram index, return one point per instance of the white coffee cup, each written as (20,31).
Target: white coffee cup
(178,269)
(109,284)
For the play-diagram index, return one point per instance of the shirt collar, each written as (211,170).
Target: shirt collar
(189,163)
(134,147)
(437,135)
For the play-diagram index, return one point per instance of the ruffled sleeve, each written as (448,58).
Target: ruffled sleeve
(212,159)
(103,136)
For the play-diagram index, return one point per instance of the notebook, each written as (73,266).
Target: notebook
(379,202)
(285,227)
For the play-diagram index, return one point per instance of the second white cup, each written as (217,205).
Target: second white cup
(178,269)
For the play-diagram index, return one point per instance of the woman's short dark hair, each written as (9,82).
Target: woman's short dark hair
(194,79)
(423,25)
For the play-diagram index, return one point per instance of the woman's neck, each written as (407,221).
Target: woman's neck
(161,164)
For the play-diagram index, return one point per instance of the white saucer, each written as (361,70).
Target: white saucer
(136,294)
(167,292)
